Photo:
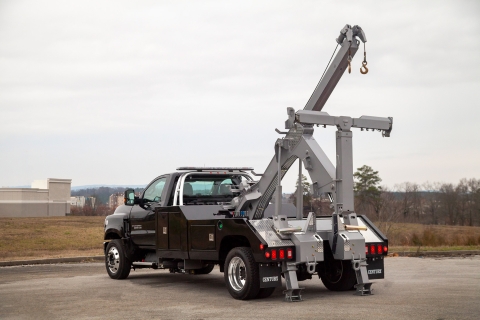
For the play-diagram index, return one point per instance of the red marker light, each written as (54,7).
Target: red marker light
(267,254)
(274,254)
(385,249)
(289,253)
(281,254)
(262,246)
(380,249)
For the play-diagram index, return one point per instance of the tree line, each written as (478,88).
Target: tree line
(428,203)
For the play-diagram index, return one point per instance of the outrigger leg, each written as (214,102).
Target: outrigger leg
(363,286)
(293,291)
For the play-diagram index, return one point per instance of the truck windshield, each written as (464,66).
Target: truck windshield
(209,189)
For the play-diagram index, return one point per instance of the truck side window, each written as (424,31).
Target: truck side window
(154,191)
(224,187)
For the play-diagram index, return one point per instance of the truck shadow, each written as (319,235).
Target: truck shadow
(213,285)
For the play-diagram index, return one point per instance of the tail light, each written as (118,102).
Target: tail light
(279,254)
(379,249)
(274,254)
(376,248)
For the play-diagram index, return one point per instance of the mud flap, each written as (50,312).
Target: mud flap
(270,275)
(375,268)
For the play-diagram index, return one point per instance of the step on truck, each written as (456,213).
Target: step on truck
(190,220)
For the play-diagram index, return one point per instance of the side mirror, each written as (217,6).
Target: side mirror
(129,197)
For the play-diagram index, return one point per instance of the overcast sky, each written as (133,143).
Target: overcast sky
(119,92)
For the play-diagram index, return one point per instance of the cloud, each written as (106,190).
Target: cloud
(101,85)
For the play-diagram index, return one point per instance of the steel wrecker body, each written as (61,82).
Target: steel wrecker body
(190,220)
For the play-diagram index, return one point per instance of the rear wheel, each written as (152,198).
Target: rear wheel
(118,266)
(339,275)
(241,274)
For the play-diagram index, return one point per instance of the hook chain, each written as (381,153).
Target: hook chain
(363,68)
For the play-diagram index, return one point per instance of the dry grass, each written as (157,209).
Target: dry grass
(393,249)
(34,238)
(414,237)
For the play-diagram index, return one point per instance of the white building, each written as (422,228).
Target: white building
(78,201)
(45,198)
(115,200)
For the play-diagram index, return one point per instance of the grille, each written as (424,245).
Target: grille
(319,246)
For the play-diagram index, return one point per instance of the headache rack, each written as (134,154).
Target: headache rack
(229,169)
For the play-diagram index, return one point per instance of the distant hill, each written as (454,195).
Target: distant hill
(96,186)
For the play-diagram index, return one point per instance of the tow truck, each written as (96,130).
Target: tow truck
(190,220)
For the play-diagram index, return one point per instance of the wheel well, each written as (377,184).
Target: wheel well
(230,242)
(111,236)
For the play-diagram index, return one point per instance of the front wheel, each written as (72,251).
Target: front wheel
(339,275)
(118,266)
(241,274)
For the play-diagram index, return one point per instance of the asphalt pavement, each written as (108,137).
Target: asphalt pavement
(414,288)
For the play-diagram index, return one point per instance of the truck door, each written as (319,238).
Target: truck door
(142,216)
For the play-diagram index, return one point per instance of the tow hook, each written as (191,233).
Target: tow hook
(311,265)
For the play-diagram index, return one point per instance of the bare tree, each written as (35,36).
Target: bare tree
(448,202)
(390,213)
(410,197)
(463,198)
(474,201)
(432,203)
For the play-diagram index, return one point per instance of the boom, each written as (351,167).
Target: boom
(299,139)
(349,46)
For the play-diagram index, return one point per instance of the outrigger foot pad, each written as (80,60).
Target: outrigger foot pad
(363,289)
(293,295)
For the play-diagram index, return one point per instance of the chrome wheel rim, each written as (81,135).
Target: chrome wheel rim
(237,275)
(113,260)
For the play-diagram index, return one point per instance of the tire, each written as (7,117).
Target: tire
(339,276)
(117,265)
(205,270)
(241,274)
(265,293)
